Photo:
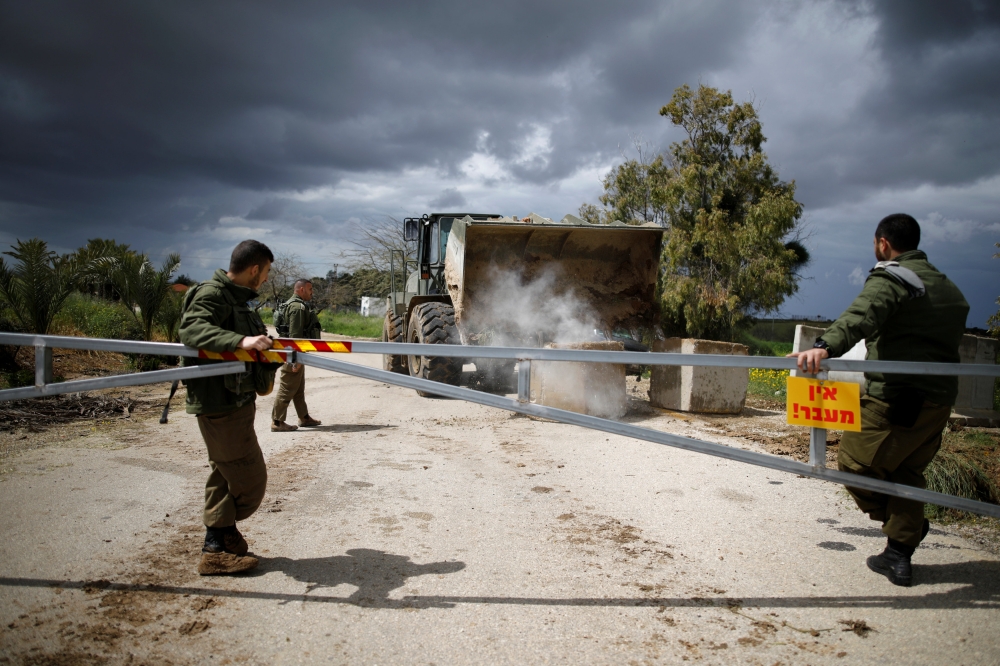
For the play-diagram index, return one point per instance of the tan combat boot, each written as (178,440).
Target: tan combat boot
(281,426)
(308,422)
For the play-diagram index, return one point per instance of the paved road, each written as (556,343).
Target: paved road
(412,530)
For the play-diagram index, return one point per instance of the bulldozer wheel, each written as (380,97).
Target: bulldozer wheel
(393,331)
(434,324)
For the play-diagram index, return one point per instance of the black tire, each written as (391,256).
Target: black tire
(393,331)
(434,324)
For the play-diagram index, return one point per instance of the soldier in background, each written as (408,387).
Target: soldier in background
(302,323)
(215,317)
(908,310)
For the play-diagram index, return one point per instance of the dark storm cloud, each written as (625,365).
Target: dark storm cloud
(260,96)
(181,125)
(932,115)
(450,198)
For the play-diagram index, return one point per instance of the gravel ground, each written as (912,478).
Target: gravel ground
(413,530)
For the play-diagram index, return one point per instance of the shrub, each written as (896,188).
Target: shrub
(98,318)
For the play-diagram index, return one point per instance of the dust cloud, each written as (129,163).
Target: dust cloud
(543,306)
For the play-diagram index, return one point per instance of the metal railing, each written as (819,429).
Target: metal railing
(815,468)
(44,344)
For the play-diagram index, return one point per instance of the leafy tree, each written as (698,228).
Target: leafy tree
(724,253)
(632,189)
(731,247)
(141,288)
(93,282)
(37,285)
(592,214)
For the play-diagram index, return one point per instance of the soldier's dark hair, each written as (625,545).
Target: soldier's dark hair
(901,230)
(249,253)
(300,282)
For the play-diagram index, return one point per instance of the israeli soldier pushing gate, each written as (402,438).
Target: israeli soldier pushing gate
(907,311)
(216,318)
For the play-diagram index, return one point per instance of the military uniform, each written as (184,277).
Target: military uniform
(302,323)
(216,318)
(902,416)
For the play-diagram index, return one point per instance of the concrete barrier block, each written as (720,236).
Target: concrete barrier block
(806,336)
(699,389)
(597,389)
(976,392)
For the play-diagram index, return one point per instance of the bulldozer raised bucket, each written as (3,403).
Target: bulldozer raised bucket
(609,270)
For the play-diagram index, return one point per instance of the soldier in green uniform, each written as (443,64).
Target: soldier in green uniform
(907,311)
(216,318)
(302,323)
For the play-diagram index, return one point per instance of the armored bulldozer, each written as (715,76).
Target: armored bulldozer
(493,280)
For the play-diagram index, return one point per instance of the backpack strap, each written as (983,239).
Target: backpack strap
(901,275)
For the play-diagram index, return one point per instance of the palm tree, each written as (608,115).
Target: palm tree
(93,282)
(141,288)
(37,286)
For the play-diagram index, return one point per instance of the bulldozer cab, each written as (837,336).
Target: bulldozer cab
(423,278)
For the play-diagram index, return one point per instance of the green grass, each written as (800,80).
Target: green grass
(966,466)
(759,347)
(768,384)
(351,324)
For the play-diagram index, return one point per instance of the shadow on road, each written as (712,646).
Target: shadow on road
(374,572)
(346,427)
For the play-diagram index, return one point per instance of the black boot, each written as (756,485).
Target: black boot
(894,563)
(215,540)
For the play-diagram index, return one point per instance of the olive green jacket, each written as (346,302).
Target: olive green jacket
(216,318)
(899,327)
(302,321)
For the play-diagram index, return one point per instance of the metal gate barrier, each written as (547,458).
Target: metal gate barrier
(287,349)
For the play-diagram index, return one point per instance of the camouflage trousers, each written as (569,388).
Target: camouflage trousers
(291,388)
(238,476)
(893,453)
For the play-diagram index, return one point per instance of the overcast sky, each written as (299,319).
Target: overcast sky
(189,126)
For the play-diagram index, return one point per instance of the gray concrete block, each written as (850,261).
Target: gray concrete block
(699,389)
(597,389)
(976,392)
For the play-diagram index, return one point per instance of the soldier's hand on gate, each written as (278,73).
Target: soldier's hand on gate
(809,360)
(257,342)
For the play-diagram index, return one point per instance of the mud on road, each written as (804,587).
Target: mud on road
(413,530)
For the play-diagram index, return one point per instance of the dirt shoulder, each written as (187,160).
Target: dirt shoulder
(410,530)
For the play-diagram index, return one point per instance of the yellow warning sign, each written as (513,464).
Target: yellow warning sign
(824,404)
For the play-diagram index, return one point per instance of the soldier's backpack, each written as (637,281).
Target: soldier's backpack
(281,319)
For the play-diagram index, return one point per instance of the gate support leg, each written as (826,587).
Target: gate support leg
(817,447)
(524,381)
(43,365)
